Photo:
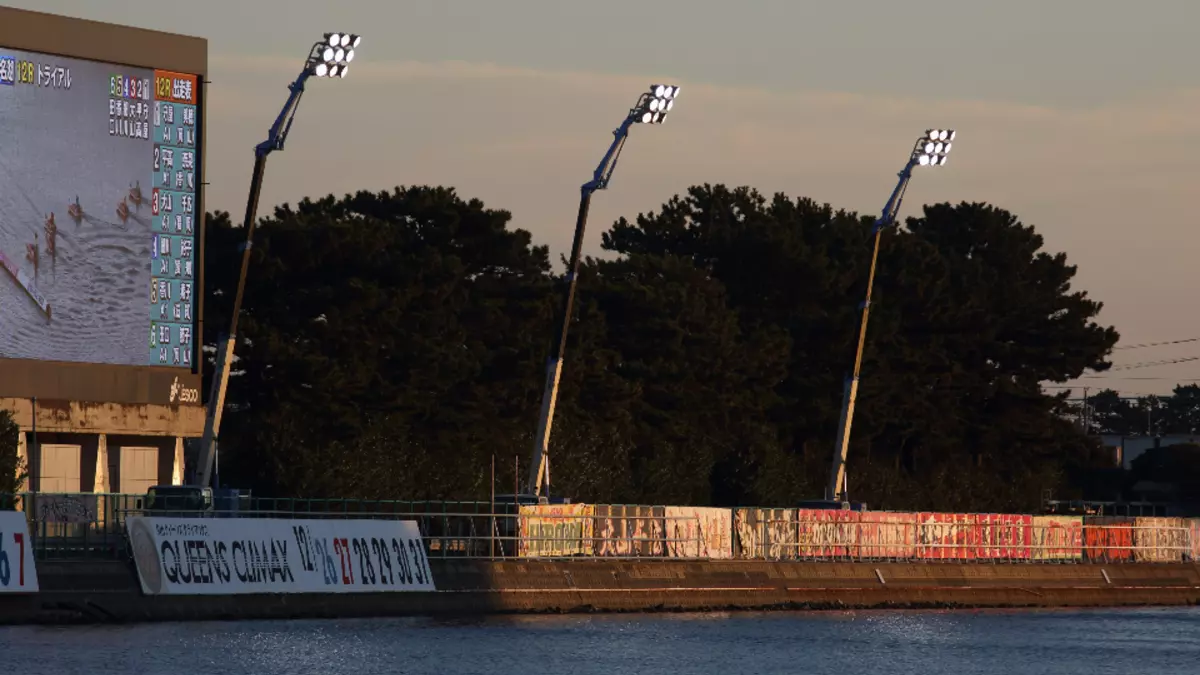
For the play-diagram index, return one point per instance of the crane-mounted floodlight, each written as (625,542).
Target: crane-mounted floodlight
(654,105)
(933,147)
(328,57)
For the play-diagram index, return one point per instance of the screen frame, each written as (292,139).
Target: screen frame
(116,45)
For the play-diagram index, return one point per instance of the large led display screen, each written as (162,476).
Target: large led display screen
(99,173)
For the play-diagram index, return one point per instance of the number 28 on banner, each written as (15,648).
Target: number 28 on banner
(12,560)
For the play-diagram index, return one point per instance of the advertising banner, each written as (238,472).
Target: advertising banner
(75,509)
(224,556)
(1107,537)
(766,533)
(17,571)
(826,533)
(1159,539)
(946,536)
(628,531)
(887,535)
(1002,536)
(1057,538)
(694,532)
(556,530)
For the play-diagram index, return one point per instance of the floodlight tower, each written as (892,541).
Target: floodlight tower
(652,107)
(931,149)
(330,57)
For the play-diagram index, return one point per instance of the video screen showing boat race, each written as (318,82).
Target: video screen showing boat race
(98,211)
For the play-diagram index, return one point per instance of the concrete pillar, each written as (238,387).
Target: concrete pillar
(177,470)
(102,482)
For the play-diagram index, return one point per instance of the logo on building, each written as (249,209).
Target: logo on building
(182,394)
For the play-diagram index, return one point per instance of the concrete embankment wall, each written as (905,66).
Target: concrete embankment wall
(109,592)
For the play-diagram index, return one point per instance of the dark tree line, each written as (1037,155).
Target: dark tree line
(1108,412)
(394,345)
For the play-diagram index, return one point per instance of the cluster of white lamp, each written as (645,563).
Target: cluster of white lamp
(934,146)
(656,104)
(332,57)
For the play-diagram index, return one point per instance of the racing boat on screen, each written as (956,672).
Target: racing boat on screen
(25,282)
(51,236)
(135,193)
(123,209)
(75,210)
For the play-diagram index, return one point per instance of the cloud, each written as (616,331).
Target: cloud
(1110,184)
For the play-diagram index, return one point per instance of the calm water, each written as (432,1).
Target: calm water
(1150,642)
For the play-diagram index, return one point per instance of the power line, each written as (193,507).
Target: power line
(1141,378)
(1145,345)
(1152,364)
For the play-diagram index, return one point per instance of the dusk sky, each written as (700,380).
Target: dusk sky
(1080,116)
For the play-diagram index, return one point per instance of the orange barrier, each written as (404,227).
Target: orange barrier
(1002,536)
(883,534)
(1108,538)
(945,536)
(822,533)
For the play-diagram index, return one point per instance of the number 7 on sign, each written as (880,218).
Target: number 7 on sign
(19,538)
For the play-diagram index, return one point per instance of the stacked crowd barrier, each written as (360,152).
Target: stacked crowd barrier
(92,525)
(815,534)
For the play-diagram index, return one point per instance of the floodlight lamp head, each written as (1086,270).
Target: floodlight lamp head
(654,105)
(933,147)
(330,57)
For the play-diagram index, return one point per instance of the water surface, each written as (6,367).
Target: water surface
(1145,641)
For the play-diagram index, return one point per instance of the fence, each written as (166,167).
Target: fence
(85,525)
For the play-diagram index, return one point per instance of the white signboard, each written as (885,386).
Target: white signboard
(225,556)
(17,573)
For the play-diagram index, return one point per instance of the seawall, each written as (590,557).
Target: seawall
(109,592)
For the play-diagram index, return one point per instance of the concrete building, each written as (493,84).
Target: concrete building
(1128,448)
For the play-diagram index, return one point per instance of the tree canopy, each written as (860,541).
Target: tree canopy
(12,466)
(1108,412)
(393,344)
